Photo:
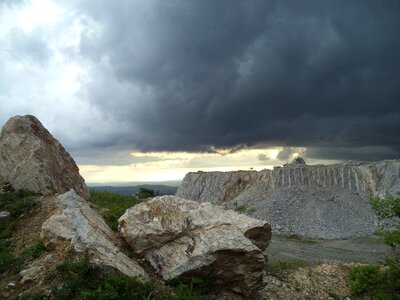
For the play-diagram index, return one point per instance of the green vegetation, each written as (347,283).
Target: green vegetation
(84,280)
(198,285)
(244,209)
(381,282)
(32,251)
(370,280)
(16,203)
(112,206)
(144,193)
(388,208)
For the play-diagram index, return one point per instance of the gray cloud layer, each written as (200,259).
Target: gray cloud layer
(187,75)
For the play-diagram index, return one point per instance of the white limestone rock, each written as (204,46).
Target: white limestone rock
(182,238)
(32,159)
(76,226)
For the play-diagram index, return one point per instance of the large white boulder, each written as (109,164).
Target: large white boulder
(32,159)
(76,226)
(182,238)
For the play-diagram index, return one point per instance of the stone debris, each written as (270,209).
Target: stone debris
(32,159)
(4,214)
(324,281)
(182,238)
(31,274)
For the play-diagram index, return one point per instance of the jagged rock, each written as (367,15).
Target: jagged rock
(77,227)
(329,202)
(182,238)
(32,159)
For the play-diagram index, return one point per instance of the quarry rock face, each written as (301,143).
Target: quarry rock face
(77,227)
(182,238)
(329,202)
(32,159)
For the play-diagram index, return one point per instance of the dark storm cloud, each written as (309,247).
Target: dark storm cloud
(192,75)
(359,153)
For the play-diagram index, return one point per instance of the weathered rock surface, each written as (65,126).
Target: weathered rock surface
(32,159)
(329,202)
(182,238)
(75,226)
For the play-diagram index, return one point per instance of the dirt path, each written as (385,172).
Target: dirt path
(363,250)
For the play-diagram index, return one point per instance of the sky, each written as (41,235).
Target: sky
(147,90)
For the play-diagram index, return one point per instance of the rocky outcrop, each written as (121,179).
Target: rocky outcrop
(32,159)
(329,202)
(77,227)
(182,238)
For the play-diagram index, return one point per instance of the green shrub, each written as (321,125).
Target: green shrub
(388,207)
(365,279)
(381,282)
(244,209)
(112,206)
(144,193)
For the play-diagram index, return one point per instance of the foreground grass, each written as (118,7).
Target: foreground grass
(82,280)
(112,205)
(16,203)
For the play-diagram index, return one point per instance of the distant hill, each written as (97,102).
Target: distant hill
(129,190)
